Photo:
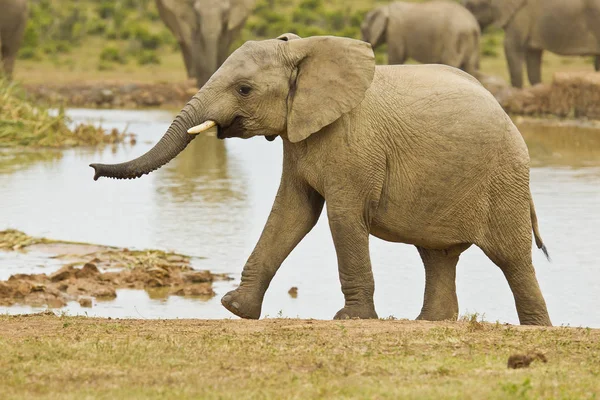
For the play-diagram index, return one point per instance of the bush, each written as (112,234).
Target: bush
(148,57)
(29,53)
(113,54)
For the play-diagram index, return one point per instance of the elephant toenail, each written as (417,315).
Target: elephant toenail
(226,298)
(235,305)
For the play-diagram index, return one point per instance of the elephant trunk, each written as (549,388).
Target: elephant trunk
(169,146)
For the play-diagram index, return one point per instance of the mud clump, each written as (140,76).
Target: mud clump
(97,272)
(293,292)
(516,361)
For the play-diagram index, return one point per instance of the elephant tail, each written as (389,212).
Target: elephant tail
(536,230)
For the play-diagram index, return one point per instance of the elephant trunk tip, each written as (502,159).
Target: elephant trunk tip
(97,170)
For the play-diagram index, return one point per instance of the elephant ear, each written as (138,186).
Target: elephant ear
(330,78)
(377,21)
(504,10)
(239,12)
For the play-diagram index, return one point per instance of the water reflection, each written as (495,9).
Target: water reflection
(564,146)
(201,172)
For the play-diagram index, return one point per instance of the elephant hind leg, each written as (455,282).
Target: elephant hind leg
(440,301)
(533,59)
(508,244)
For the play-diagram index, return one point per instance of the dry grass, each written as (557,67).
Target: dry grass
(23,123)
(45,356)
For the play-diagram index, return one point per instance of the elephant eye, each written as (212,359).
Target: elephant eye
(244,90)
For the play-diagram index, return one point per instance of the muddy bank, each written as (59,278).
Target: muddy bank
(570,95)
(92,271)
(129,95)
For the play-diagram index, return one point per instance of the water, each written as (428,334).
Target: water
(213,200)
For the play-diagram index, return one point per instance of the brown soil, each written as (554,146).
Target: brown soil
(114,94)
(524,360)
(97,271)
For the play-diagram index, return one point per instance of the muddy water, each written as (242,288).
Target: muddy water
(213,200)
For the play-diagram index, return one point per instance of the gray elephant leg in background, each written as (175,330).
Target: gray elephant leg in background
(295,211)
(533,59)
(515,56)
(440,301)
(187,59)
(597,63)
(396,54)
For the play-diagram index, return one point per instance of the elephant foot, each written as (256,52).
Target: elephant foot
(242,304)
(361,312)
(437,316)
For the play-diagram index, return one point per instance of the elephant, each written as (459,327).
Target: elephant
(441,32)
(205,30)
(13,20)
(417,154)
(532,26)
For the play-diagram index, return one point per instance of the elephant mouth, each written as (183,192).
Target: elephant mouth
(234,129)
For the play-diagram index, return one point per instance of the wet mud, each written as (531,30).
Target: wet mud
(92,271)
(114,94)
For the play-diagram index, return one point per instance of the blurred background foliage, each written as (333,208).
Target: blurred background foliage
(131,32)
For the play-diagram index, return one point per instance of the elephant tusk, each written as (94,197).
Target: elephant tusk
(202,127)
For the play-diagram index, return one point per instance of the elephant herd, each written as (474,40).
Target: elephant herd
(433,32)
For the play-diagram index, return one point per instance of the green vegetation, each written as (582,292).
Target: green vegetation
(73,36)
(46,356)
(24,124)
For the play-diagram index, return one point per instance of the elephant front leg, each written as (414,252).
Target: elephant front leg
(295,211)
(351,239)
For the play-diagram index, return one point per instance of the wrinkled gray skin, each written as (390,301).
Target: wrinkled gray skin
(205,29)
(418,154)
(13,18)
(565,27)
(435,32)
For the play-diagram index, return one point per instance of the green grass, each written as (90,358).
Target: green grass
(23,123)
(45,356)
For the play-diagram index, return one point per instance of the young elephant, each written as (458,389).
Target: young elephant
(531,26)
(438,32)
(13,19)
(412,154)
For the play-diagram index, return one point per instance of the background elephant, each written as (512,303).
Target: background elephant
(530,26)
(205,30)
(13,18)
(440,32)
(419,154)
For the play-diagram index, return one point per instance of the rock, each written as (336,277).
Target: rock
(175,259)
(196,290)
(293,292)
(38,287)
(197,276)
(85,302)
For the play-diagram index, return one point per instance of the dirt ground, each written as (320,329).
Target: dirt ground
(92,271)
(48,356)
